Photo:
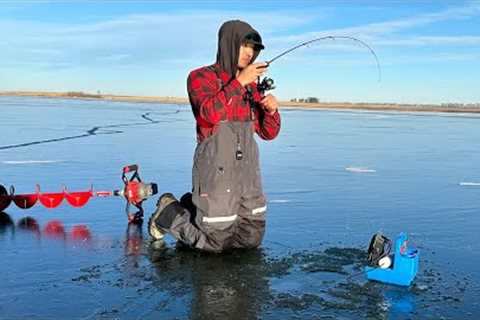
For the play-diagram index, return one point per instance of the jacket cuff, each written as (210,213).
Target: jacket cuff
(275,116)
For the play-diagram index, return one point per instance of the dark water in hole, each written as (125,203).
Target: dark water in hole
(332,180)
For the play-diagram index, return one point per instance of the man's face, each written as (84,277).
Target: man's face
(247,51)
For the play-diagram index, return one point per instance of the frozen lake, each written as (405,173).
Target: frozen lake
(332,179)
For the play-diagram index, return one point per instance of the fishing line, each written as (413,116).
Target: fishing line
(269,62)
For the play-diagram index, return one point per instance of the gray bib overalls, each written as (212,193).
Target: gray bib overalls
(227,192)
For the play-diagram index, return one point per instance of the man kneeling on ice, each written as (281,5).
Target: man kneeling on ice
(226,208)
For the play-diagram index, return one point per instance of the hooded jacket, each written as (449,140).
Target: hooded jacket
(216,95)
(230,37)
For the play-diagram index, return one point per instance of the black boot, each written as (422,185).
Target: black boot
(168,208)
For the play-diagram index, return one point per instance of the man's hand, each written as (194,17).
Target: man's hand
(250,73)
(269,104)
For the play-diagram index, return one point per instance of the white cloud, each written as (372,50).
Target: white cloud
(118,57)
(442,57)
(162,47)
(139,38)
(45,52)
(385,33)
(431,41)
(394,26)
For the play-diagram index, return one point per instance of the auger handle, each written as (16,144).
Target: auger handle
(132,167)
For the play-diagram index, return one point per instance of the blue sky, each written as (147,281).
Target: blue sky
(429,51)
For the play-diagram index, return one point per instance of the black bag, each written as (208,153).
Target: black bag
(379,247)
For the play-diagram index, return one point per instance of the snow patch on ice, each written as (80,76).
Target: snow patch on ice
(470,184)
(279,201)
(31,161)
(360,169)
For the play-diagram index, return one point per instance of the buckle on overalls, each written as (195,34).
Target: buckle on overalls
(239,155)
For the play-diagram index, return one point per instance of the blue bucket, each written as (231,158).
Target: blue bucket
(404,266)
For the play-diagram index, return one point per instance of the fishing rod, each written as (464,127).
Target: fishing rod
(267,83)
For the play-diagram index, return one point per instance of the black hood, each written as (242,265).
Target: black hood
(230,37)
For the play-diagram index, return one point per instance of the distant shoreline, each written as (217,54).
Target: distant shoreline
(181,100)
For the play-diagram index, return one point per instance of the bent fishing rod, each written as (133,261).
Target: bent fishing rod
(267,83)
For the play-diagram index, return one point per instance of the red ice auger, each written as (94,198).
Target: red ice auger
(134,191)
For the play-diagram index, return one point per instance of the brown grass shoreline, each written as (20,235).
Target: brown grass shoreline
(181,101)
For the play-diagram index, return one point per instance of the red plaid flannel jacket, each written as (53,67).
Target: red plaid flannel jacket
(215,97)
